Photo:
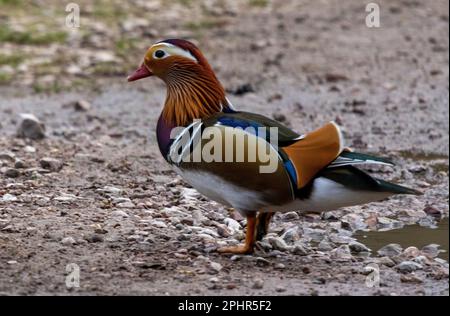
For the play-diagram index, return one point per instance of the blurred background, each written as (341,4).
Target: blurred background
(304,38)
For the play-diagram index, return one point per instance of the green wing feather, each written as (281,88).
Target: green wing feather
(358,180)
(347,158)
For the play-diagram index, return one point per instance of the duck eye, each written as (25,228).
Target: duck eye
(160,54)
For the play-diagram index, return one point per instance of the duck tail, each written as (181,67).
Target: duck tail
(356,179)
(395,188)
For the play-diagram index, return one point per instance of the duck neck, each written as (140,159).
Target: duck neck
(192,94)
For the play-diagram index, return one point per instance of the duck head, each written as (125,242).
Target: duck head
(193,90)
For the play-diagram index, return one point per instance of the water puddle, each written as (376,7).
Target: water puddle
(411,235)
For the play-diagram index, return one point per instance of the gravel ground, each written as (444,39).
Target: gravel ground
(95,191)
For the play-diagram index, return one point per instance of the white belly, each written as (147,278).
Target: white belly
(326,195)
(219,190)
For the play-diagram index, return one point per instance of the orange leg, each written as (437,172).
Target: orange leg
(262,226)
(247,247)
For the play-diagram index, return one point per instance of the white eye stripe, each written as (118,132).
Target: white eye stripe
(172,50)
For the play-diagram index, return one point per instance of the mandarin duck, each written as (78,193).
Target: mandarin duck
(198,134)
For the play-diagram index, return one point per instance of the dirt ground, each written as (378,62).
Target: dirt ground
(110,204)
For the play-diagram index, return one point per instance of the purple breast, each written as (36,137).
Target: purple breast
(163,130)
